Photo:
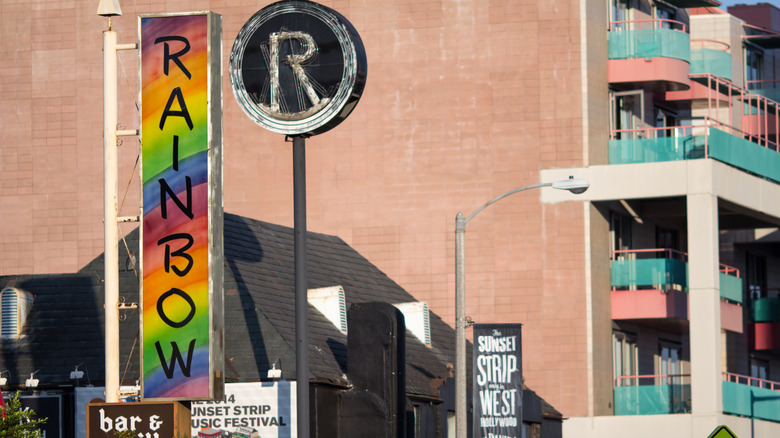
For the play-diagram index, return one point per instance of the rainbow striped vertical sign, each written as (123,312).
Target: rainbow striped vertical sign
(182,350)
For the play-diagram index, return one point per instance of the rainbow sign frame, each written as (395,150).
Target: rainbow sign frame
(182,261)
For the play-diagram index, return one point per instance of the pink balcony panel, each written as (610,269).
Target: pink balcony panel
(661,74)
(697,91)
(649,304)
(731,317)
(765,335)
(673,304)
(761,125)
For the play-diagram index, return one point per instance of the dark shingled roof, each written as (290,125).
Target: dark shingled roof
(65,326)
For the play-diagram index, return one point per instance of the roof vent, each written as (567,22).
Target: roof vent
(418,320)
(14,306)
(332,303)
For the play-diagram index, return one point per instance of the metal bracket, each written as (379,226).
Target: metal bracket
(129,46)
(122,305)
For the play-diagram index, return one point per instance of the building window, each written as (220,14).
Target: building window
(666,238)
(669,368)
(624,355)
(620,229)
(754,66)
(627,114)
(669,363)
(14,307)
(759,369)
(756,276)
(620,10)
(666,15)
(665,119)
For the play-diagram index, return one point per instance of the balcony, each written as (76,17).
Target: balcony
(671,394)
(652,284)
(751,397)
(760,117)
(765,322)
(767,88)
(707,139)
(653,395)
(652,54)
(710,57)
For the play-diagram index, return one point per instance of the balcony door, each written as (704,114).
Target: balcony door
(624,355)
(665,15)
(626,114)
(665,119)
(669,369)
(754,67)
(620,10)
(756,276)
(620,229)
(759,369)
(669,362)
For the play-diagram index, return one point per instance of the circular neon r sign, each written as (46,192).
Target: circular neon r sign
(297,68)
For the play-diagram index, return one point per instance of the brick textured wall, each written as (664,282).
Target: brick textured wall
(465,99)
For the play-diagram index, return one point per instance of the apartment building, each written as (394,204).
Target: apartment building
(682,225)
(648,303)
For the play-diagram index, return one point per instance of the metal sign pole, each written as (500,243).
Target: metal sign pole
(284,31)
(301,286)
(110,227)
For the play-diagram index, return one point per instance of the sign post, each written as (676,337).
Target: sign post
(298,68)
(498,381)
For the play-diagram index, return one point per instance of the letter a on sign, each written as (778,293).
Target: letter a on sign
(182,259)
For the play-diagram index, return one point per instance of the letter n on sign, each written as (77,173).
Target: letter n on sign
(181,227)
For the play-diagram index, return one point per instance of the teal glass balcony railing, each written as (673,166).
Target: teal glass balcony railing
(750,397)
(649,145)
(659,38)
(767,88)
(663,273)
(742,395)
(665,269)
(743,154)
(666,395)
(712,61)
(730,287)
(639,149)
(766,309)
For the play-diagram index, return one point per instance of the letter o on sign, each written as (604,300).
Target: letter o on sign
(297,68)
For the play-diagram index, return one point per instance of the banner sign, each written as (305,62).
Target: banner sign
(142,420)
(266,407)
(498,381)
(181,226)
(297,67)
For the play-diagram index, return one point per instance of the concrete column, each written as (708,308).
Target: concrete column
(704,312)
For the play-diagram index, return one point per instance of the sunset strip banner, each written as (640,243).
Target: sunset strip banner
(182,347)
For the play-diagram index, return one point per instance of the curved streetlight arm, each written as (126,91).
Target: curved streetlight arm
(500,197)
(574,185)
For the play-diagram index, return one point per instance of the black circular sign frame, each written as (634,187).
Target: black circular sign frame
(297,68)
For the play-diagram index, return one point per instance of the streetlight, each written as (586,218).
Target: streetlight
(574,185)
